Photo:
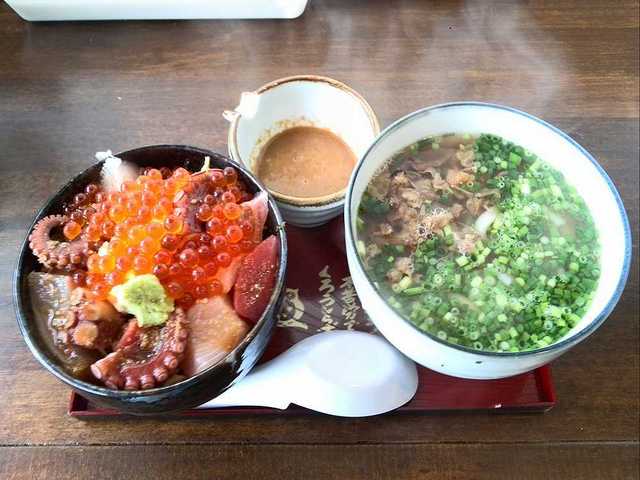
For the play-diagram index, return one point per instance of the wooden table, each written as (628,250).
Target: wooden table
(69,89)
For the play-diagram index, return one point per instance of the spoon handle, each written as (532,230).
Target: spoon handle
(260,388)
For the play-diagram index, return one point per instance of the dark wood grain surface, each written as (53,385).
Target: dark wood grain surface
(69,89)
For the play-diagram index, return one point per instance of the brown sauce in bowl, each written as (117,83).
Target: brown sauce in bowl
(305,162)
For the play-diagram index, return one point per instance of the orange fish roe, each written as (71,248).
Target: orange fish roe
(133,227)
(183,228)
(234,234)
(72,229)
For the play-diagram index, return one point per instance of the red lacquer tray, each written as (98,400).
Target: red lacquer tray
(321,297)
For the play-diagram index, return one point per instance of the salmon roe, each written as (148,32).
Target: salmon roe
(148,230)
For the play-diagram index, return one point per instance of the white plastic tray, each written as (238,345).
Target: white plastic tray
(41,10)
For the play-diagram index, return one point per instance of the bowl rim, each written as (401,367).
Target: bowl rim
(330,199)
(599,318)
(125,395)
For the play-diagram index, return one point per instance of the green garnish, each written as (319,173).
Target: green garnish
(373,206)
(144,297)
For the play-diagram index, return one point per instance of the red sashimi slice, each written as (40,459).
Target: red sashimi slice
(216,329)
(258,205)
(256,279)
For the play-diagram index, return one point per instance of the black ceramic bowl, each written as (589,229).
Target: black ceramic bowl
(194,390)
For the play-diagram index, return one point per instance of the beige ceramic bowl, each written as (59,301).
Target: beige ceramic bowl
(304,100)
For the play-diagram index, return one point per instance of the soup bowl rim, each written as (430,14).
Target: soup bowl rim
(567,340)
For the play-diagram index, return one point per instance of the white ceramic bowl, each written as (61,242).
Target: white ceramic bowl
(304,100)
(552,145)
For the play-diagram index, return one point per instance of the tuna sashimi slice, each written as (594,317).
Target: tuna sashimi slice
(216,329)
(259,207)
(256,280)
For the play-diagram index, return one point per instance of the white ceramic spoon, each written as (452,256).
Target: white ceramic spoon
(343,373)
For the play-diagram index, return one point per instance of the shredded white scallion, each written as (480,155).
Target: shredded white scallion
(484,221)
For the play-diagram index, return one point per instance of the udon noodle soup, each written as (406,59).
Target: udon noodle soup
(479,242)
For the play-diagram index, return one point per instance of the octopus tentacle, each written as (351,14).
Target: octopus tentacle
(57,254)
(52,298)
(145,357)
(92,324)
